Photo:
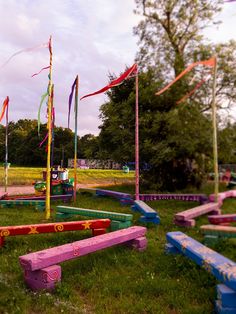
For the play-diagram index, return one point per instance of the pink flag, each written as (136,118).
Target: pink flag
(127,74)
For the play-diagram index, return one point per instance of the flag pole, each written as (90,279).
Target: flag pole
(49,125)
(136,139)
(6,153)
(53,134)
(214,126)
(76,121)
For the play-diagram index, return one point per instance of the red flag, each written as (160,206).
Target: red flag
(127,74)
(209,63)
(4,106)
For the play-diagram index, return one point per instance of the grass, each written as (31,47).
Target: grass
(116,280)
(26,176)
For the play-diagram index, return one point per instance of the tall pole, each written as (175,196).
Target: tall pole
(214,126)
(49,125)
(136,140)
(6,153)
(76,122)
(53,122)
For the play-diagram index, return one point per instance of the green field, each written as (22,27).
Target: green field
(116,280)
(25,176)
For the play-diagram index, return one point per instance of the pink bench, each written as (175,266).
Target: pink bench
(185,218)
(42,272)
(222,196)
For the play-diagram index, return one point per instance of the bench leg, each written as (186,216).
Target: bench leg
(210,240)
(138,244)
(155,220)
(96,232)
(185,223)
(2,241)
(43,279)
(171,249)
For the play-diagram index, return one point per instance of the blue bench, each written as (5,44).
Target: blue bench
(221,267)
(149,214)
(124,198)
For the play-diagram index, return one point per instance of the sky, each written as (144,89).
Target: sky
(91,38)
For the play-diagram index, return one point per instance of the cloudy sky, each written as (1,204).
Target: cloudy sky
(90,38)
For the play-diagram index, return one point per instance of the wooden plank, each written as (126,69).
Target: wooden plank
(197,211)
(223,195)
(219,231)
(94,213)
(62,253)
(119,195)
(220,219)
(185,223)
(221,267)
(202,198)
(226,296)
(143,208)
(63,197)
(8,231)
(87,190)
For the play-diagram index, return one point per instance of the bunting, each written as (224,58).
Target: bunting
(207,63)
(40,71)
(4,107)
(127,74)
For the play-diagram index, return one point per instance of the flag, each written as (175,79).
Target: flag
(208,63)
(127,74)
(4,107)
(70,99)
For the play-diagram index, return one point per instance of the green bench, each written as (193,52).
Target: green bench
(39,204)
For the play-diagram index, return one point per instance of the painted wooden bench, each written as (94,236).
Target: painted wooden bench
(221,267)
(222,196)
(226,302)
(149,214)
(185,218)
(39,204)
(87,190)
(98,226)
(201,198)
(222,219)
(64,197)
(41,269)
(213,233)
(118,220)
(124,198)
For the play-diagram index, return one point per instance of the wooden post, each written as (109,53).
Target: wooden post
(6,153)
(76,121)
(49,126)
(214,126)
(136,140)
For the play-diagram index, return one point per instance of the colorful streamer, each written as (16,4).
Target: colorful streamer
(198,85)
(40,71)
(4,107)
(44,45)
(208,63)
(127,74)
(40,105)
(70,100)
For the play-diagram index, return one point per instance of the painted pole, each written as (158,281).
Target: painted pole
(214,126)
(53,122)
(136,139)
(49,126)
(76,122)
(6,153)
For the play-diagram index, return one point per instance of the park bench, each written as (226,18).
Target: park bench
(201,198)
(213,233)
(39,204)
(118,220)
(97,226)
(221,267)
(222,219)
(185,218)
(41,269)
(222,196)
(149,214)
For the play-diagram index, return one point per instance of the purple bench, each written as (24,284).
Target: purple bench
(201,198)
(222,219)
(42,272)
(185,218)
(222,196)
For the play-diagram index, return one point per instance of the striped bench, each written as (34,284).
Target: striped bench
(118,220)
(149,214)
(39,204)
(98,226)
(41,269)
(201,198)
(213,233)
(221,267)
(185,218)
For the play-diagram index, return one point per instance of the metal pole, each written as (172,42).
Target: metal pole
(49,125)
(6,153)
(214,125)
(136,140)
(76,122)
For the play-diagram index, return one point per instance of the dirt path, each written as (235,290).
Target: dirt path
(29,189)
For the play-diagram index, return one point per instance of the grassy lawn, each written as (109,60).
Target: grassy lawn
(25,176)
(116,280)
